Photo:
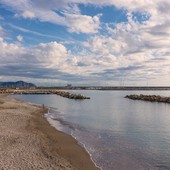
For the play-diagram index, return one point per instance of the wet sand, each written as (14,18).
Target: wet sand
(28,142)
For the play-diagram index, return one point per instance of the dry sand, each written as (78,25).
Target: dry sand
(28,142)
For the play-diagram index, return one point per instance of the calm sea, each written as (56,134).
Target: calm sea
(118,133)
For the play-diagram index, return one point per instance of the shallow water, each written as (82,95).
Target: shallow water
(118,133)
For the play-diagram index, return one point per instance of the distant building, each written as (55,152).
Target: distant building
(69,85)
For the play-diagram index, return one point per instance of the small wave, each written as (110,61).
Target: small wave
(54,118)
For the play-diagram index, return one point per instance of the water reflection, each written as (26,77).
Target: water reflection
(119,133)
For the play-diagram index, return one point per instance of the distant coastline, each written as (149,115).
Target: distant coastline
(86,88)
(27,85)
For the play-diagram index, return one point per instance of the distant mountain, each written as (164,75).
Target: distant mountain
(16,84)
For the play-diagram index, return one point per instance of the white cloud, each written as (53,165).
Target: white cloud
(10,53)
(83,23)
(28,14)
(50,54)
(105,45)
(43,56)
(20,38)
(34,9)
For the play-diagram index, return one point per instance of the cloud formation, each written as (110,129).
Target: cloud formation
(53,61)
(133,50)
(69,16)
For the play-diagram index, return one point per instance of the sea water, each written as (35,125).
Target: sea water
(118,133)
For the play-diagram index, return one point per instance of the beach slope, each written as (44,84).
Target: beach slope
(29,142)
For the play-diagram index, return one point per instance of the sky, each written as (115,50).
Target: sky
(85,42)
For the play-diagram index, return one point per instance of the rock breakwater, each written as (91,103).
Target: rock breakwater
(151,98)
(71,95)
(45,91)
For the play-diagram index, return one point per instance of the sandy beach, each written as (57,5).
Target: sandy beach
(27,141)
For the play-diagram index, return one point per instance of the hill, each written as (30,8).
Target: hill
(17,84)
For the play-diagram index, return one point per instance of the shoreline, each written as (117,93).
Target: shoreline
(50,121)
(29,141)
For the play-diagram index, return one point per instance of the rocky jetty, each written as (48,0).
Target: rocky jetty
(71,95)
(44,91)
(151,98)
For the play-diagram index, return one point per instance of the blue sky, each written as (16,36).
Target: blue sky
(85,42)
